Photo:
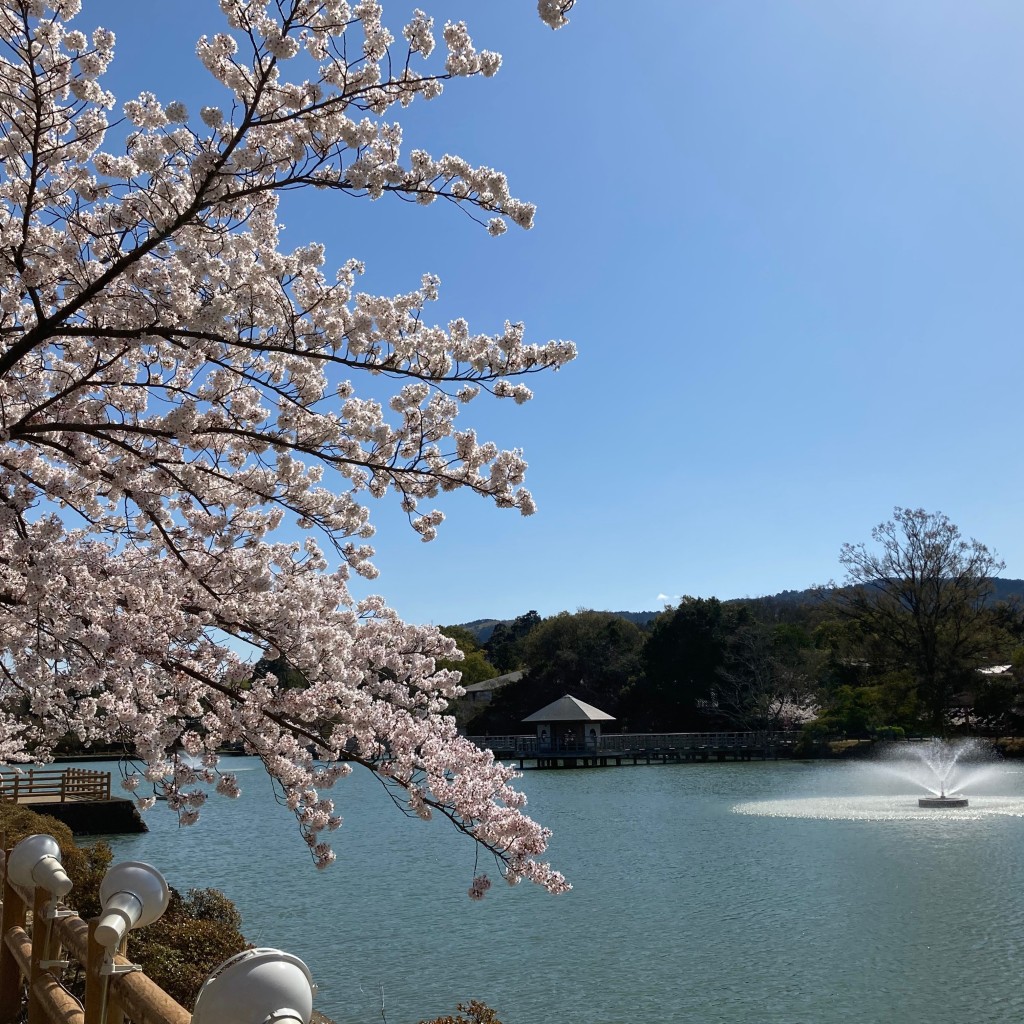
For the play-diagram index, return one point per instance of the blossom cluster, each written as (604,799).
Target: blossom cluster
(479,888)
(175,386)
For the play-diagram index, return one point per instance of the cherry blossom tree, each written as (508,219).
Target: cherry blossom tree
(176,388)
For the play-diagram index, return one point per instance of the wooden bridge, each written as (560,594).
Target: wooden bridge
(616,749)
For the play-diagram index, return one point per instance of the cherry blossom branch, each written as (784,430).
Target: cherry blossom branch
(175,384)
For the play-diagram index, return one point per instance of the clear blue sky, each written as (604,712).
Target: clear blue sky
(788,237)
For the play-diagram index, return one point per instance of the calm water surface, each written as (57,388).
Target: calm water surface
(683,909)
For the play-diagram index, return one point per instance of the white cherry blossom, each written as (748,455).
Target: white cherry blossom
(175,387)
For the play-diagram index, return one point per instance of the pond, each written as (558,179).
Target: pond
(713,893)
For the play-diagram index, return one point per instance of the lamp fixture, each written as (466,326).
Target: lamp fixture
(132,895)
(35,861)
(256,986)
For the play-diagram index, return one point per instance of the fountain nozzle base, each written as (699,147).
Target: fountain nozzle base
(942,801)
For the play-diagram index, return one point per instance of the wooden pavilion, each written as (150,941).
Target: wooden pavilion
(568,724)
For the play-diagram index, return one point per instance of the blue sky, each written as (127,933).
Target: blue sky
(788,238)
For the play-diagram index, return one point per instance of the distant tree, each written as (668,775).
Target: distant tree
(804,608)
(508,707)
(852,711)
(998,704)
(280,667)
(465,638)
(474,666)
(922,601)
(504,646)
(769,678)
(861,703)
(593,655)
(682,658)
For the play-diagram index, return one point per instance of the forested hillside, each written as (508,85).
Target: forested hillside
(778,661)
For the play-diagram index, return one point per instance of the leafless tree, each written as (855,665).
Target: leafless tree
(922,601)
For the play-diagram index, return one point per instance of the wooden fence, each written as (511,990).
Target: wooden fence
(46,785)
(36,951)
(613,742)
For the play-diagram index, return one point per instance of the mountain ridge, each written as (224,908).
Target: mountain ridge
(1003,590)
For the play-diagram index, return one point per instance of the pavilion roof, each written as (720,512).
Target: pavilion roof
(569,709)
(494,684)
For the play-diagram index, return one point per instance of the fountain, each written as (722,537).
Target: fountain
(906,781)
(941,767)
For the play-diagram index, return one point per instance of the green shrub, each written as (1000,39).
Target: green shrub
(17,822)
(196,933)
(891,732)
(1011,746)
(813,741)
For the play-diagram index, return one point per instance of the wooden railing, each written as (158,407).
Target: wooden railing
(46,784)
(614,742)
(30,951)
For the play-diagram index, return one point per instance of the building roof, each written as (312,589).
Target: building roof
(494,684)
(569,709)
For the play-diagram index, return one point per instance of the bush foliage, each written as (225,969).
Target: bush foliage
(479,1013)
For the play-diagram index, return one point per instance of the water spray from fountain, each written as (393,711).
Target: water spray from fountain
(943,768)
(908,781)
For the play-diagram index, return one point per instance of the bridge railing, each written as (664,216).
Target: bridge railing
(503,744)
(66,784)
(31,941)
(529,745)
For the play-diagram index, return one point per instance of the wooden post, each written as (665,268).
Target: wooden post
(10,974)
(43,948)
(115,1008)
(94,981)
